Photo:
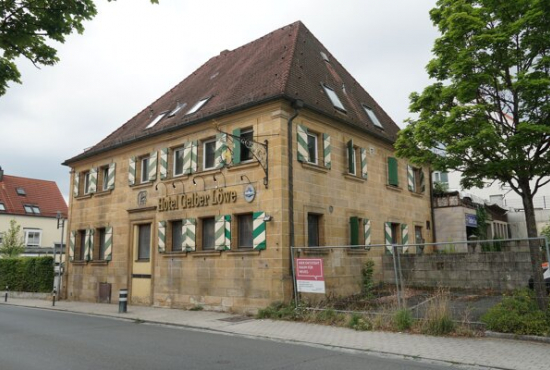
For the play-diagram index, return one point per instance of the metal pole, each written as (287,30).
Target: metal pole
(58,290)
(402,287)
(394,252)
(293,275)
(6,295)
(123,301)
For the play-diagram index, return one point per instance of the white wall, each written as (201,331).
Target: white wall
(48,226)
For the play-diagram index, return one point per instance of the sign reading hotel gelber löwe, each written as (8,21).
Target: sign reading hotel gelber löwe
(309,275)
(195,200)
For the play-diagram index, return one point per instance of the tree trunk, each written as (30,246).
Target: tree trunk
(534,246)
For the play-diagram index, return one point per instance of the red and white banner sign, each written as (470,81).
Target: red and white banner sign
(309,275)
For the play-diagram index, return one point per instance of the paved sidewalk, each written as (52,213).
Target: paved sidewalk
(484,352)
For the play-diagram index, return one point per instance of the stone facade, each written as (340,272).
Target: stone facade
(240,279)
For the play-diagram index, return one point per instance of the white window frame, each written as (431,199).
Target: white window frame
(175,170)
(86,178)
(245,132)
(36,231)
(373,117)
(197,106)
(356,164)
(204,154)
(2,207)
(28,209)
(335,100)
(144,167)
(316,138)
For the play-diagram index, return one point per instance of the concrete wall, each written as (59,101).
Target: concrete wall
(497,271)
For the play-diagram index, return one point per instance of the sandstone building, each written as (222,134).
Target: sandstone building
(196,199)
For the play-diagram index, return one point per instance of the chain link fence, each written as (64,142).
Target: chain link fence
(470,276)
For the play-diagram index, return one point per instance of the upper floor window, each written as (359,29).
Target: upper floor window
(105,178)
(32,237)
(393,177)
(246,145)
(312,147)
(178,161)
(334,98)
(415,179)
(144,169)
(209,154)
(87,182)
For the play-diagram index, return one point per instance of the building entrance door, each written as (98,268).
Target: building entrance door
(141,291)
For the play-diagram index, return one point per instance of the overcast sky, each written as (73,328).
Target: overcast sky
(133,52)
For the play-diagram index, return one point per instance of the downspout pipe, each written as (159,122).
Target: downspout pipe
(296,105)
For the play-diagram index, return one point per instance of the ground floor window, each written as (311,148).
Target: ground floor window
(101,234)
(177,237)
(245,227)
(144,241)
(313,229)
(208,233)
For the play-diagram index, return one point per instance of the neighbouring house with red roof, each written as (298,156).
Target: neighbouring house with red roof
(198,198)
(34,205)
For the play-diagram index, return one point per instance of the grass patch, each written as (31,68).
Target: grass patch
(196,308)
(359,322)
(279,311)
(403,319)
(438,320)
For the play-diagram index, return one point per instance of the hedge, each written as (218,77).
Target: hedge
(28,274)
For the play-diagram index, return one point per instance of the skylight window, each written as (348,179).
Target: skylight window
(325,57)
(177,109)
(197,106)
(334,98)
(32,209)
(372,116)
(156,120)
(2,207)
(20,191)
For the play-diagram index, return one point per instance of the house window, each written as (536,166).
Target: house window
(395,233)
(441,177)
(144,242)
(418,239)
(2,207)
(357,235)
(244,224)
(144,169)
(178,162)
(104,173)
(197,106)
(80,245)
(246,145)
(208,233)
(334,98)
(208,154)
(30,209)
(177,238)
(32,237)
(313,229)
(372,116)
(393,178)
(177,109)
(101,235)
(312,147)
(86,178)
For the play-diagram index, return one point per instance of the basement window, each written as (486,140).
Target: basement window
(156,120)
(372,116)
(197,106)
(334,98)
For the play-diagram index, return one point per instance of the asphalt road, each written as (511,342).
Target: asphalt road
(40,339)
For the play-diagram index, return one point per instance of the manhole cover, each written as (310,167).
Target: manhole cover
(235,319)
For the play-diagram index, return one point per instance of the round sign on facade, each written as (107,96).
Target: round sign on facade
(249,193)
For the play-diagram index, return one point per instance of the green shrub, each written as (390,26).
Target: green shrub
(367,273)
(279,311)
(329,316)
(359,322)
(27,274)
(403,319)
(518,314)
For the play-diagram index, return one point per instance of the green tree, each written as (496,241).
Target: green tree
(546,232)
(26,27)
(12,243)
(487,114)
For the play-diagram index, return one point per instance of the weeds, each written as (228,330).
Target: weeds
(359,322)
(403,319)
(438,320)
(367,273)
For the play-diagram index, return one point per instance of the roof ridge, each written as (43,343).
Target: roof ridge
(285,77)
(27,178)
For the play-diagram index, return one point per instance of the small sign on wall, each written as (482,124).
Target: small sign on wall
(309,275)
(471,220)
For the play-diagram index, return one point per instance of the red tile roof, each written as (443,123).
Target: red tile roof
(42,193)
(284,64)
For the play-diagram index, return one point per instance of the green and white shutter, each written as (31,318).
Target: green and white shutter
(303,152)
(351,157)
(326,151)
(190,239)
(221,146)
(405,237)
(258,231)
(162,236)
(410,178)
(364,163)
(72,243)
(163,163)
(132,171)
(89,245)
(388,236)
(366,230)
(111,176)
(93,181)
(190,156)
(153,166)
(76,183)
(223,232)
(108,255)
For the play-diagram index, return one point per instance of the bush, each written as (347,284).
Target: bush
(518,314)
(359,322)
(27,274)
(279,311)
(403,319)
(367,273)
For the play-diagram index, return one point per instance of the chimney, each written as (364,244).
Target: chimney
(1,174)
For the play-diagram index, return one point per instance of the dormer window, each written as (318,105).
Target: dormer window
(334,98)
(372,116)
(2,207)
(156,120)
(197,106)
(20,191)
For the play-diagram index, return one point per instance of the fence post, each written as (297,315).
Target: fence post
(293,274)
(396,273)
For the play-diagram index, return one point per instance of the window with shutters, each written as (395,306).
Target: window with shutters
(246,145)
(178,162)
(144,242)
(80,244)
(209,154)
(86,182)
(144,169)
(175,234)
(244,234)
(100,236)
(312,147)
(207,233)
(357,230)
(415,179)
